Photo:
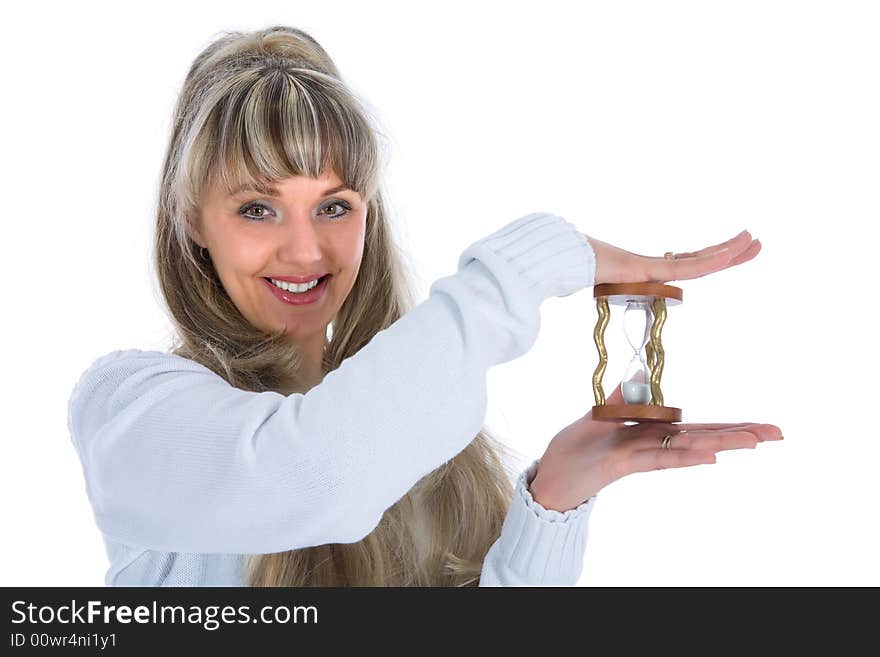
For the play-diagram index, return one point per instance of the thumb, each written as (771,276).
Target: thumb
(616,397)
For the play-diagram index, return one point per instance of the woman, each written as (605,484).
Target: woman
(310,427)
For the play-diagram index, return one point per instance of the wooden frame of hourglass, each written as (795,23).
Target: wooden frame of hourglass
(655,298)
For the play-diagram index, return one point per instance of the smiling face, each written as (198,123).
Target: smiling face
(308,229)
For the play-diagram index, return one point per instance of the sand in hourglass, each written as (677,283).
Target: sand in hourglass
(636,392)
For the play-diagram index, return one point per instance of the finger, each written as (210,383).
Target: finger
(661,459)
(693,426)
(681,270)
(709,441)
(735,243)
(761,430)
(686,266)
(713,441)
(616,396)
(753,249)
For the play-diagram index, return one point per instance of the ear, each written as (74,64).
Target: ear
(192,229)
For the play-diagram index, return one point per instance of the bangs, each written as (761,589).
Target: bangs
(281,125)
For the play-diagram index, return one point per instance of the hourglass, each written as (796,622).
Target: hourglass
(643,320)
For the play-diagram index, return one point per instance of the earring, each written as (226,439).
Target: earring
(203,252)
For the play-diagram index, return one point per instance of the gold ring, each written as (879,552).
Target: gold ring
(666,441)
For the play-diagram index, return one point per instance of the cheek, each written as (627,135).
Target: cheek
(355,245)
(358,253)
(247,254)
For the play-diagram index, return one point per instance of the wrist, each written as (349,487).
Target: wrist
(545,497)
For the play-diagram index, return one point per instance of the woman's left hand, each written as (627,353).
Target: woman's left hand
(589,454)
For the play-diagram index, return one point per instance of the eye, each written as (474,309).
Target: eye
(346,208)
(247,210)
(251,207)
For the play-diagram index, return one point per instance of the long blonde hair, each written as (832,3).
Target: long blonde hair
(262,106)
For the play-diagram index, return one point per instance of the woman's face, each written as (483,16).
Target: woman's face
(306,230)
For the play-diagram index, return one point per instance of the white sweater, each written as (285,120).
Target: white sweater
(186,473)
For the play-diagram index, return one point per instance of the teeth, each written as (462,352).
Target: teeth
(294,287)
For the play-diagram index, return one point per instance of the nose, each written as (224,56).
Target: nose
(300,245)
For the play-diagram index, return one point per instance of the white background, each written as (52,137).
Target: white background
(654,126)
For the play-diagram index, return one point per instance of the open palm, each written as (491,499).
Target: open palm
(589,454)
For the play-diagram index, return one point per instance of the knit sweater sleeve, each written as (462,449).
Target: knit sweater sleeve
(537,546)
(177,460)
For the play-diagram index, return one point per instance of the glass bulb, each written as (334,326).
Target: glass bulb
(637,320)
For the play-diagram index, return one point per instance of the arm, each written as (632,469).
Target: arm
(537,546)
(176,459)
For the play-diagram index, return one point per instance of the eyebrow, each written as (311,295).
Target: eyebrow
(272,191)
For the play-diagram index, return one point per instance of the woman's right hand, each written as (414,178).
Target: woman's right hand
(615,265)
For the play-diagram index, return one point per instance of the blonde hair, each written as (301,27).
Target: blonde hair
(259,107)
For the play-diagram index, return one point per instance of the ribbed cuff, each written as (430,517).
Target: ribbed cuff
(554,257)
(544,546)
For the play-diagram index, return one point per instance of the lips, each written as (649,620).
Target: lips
(299,299)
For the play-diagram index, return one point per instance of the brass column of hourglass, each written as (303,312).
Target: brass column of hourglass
(643,320)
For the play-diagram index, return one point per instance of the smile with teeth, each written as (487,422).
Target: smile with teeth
(297,288)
